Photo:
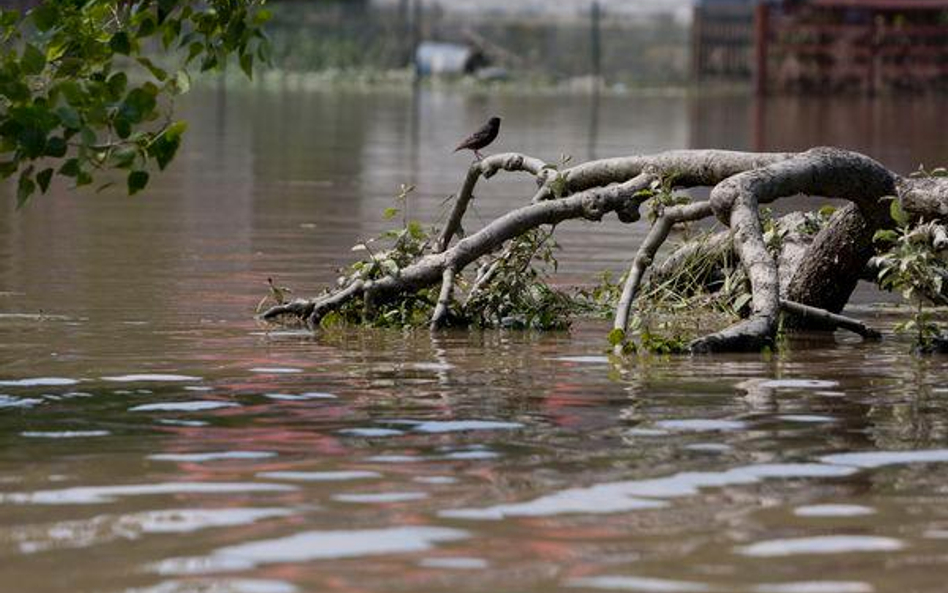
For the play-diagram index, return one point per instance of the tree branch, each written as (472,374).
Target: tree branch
(487,168)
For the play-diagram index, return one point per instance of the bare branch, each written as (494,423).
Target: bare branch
(487,168)
(830,319)
(444,299)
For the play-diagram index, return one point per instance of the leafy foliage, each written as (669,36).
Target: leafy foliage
(661,194)
(513,294)
(386,255)
(81,90)
(914,264)
(519,295)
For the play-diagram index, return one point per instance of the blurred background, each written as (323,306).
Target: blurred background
(154,438)
(803,45)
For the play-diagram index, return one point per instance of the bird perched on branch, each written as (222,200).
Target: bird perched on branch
(481,138)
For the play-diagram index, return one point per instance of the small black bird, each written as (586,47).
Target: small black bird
(482,137)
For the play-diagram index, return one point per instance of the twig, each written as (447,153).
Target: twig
(833,319)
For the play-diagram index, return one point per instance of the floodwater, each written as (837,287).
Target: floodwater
(156,439)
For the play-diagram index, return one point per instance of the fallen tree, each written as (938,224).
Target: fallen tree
(808,276)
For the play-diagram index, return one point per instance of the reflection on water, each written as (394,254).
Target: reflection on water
(156,439)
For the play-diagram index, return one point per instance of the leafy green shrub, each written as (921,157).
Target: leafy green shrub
(913,266)
(80,92)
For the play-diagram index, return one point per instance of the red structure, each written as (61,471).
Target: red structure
(823,45)
(851,45)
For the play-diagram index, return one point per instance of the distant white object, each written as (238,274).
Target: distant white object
(436,58)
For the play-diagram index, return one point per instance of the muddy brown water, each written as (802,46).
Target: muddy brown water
(156,439)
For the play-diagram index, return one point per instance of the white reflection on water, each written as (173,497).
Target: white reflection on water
(219,586)
(815,587)
(140,377)
(650,585)
(799,384)
(314,545)
(441,426)
(833,510)
(299,397)
(105,528)
(825,544)
(101,494)
(64,434)
(211,456)
(380,497)
(873,459)
(8,401)
(189,406)
(631,495)
(701,425)
(584,359)
(371,432)
(807,418)
(323,476)
(38,382)
(454,563)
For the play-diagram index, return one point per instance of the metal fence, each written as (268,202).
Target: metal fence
(313,36)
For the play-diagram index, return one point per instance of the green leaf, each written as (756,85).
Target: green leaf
(137,180)
(164,9)
(246,64)
(25,187)
(558,186)
(43,178)
(616,337)
(32,141)
(138,105)
(262,16)
(158,73)
(45,16)
(122,127)
(123,157)
(147,28)
(117,84)
(166,144)
(390,213)
(120,43)
(69,118)
(73,93)
(194,50)
(741,301)
(8,168)
(56,147)
(182,82)
(416,231)
(34,61)
(885,236)
(176,130)
(897,213)
(70,168)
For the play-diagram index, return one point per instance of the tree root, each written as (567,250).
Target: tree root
(825,172)
(822,280)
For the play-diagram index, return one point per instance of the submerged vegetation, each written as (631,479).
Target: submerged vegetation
(913,261)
